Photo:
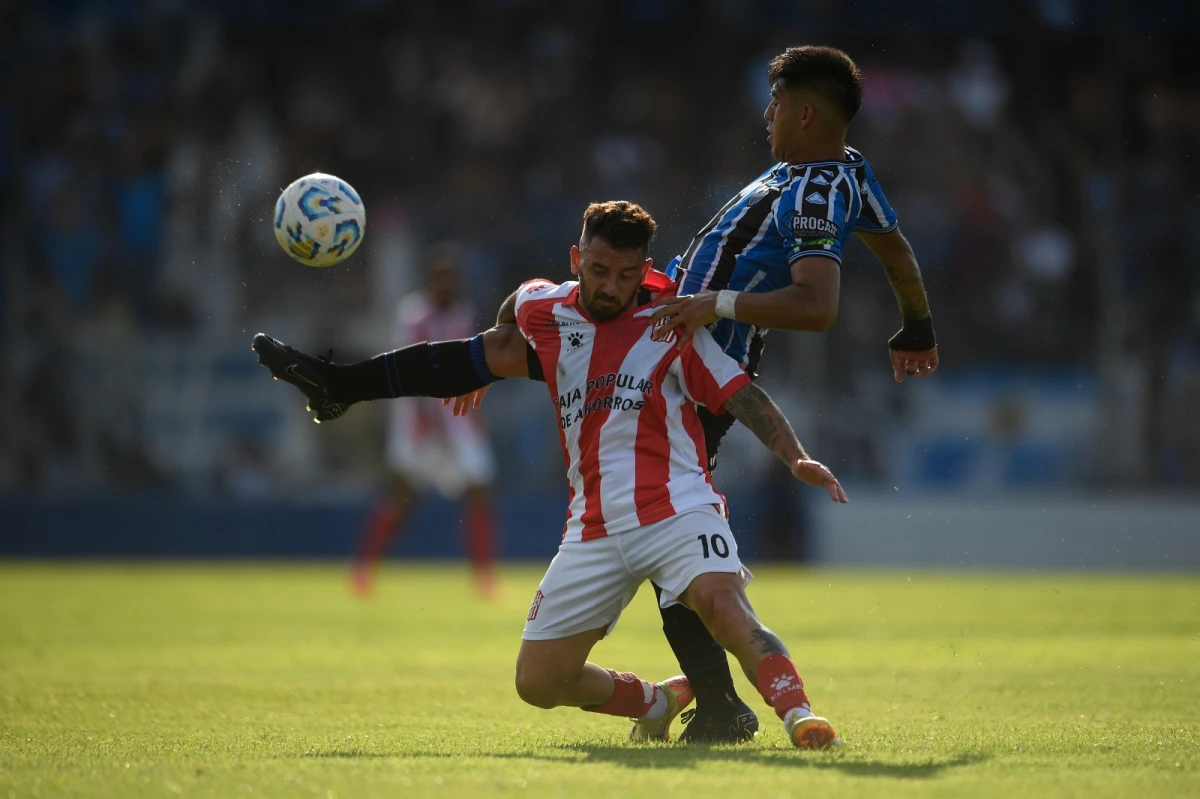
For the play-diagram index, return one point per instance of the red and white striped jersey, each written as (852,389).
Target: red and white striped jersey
(632,441)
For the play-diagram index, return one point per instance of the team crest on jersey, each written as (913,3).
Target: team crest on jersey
(815,199)
(658,334)
(575,339)
(820,180)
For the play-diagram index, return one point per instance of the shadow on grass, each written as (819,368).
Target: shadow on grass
(687,756)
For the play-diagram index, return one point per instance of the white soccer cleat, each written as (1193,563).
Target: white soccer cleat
(810,732)
(679,695)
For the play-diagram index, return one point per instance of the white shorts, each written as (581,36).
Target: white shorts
(589,583)
(447,464)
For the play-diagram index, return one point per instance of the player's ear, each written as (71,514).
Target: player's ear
(574,259)
(808,115)
(646,267)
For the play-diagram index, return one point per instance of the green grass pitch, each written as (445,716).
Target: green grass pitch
(262,680)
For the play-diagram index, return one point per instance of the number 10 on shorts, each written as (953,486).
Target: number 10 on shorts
(714,543)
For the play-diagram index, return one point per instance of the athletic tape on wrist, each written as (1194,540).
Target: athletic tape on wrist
(725,303)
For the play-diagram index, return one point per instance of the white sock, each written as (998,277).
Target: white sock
(658,710)
(795,714)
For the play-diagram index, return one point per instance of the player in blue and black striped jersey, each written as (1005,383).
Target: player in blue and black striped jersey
(789,212)
(769,259)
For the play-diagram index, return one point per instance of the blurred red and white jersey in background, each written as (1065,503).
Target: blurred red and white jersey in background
(427,444)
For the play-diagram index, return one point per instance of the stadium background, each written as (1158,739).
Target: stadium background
(1042,157)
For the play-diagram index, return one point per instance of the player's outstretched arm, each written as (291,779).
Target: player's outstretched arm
(506,352)
(914,349)
(426,369)
(809,303)
(753,408)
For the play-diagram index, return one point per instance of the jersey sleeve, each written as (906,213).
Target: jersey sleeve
(812,215)
(525,308)
(876,215)
(709,376)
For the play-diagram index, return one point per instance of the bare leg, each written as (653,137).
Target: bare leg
(721,602)
(557,674)
(480,533)
(383,527)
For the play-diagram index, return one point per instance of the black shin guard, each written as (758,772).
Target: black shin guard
(700,656)
(437,369)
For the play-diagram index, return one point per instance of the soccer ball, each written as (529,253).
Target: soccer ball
(319,220)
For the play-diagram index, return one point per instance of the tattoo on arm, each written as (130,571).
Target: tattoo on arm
(507,314)
(752,407)
(767,643)
(905,279)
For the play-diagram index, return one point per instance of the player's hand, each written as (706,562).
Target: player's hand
(913,364)
(817,474)
(467,402)
(684,314)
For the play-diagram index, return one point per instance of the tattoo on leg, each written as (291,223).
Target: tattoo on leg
(768,643)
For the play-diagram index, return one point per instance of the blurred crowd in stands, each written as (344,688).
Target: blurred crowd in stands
(1043,157)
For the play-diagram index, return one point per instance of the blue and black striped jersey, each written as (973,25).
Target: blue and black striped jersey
(789,212)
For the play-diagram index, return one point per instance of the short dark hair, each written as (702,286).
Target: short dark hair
(443,254)
(826,70)
(624,225)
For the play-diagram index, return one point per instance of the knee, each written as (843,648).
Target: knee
(536,688)
(722,611)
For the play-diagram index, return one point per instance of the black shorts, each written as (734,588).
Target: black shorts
(715,427)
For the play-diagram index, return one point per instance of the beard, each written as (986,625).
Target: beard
(601,307)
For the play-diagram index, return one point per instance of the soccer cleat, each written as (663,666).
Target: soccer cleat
(810,732)
(309,374)
(734,723)
(679,695)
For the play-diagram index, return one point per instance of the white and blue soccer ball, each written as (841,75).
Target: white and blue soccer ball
(320,220)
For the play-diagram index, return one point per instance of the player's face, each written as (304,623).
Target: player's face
(786,119)
(444,285)
(608,277)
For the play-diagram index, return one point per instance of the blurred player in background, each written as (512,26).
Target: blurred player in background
(427,446)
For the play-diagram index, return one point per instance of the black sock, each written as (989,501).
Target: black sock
(437,369)
(700,656)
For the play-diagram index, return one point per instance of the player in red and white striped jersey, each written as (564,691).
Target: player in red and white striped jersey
(428,447)
(626,409)
(642,504)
